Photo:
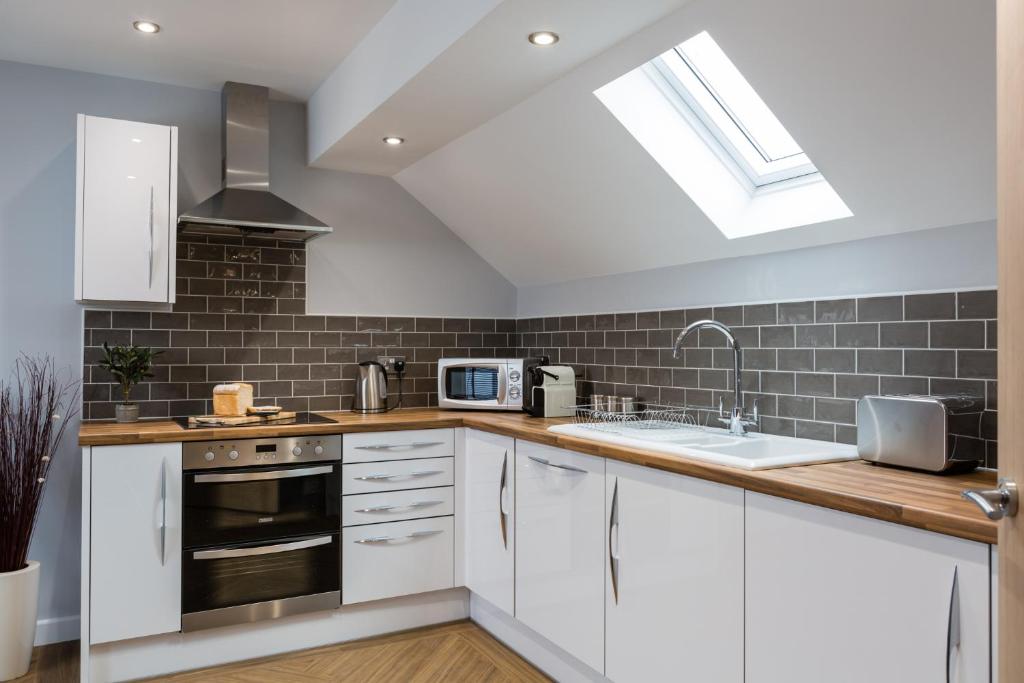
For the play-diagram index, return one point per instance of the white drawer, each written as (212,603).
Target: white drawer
(398,558)
(414,443)
(397,475)
(371,508)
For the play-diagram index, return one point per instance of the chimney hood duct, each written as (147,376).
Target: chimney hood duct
(246,206)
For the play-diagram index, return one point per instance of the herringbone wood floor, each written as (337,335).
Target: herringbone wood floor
(453,653)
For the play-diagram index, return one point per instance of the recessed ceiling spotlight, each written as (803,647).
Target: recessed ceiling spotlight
(543,38)
(393,140)
(143,26)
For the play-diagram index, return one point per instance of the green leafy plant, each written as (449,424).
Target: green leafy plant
(128,365)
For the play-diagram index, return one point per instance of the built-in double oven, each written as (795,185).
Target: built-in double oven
(261,526)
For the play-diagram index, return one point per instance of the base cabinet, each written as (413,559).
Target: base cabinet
(836,597)
(560,548)
(489,517)
(674,598)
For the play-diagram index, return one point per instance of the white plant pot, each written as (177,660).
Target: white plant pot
(19,596)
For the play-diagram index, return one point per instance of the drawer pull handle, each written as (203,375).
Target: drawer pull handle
(388,539)
(406,506)
(953,628)
(226,553)
(385,477)
(502,513)
(396,446)
(544,461)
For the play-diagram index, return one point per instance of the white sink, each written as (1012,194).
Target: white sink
(751,452)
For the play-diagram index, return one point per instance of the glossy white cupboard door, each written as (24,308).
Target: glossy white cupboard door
(125,210)
(674,598)
(489,490)
(135,550)
(560,548)
(842,598)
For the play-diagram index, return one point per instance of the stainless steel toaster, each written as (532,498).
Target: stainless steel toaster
(931,433)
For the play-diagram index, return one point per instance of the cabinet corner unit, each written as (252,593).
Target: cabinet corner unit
(125,210)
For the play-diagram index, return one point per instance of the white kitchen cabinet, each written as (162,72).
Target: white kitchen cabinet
(837,597)
(125,210)
(560,548)
(402,445)
(135,541)
(674,594)
(489,490)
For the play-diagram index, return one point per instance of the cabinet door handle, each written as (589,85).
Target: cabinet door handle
(384,477)
(544,461)
(152,238)
(953,627)
(502,514)
(388,539)
(406,506)
(227,553)
(163,513)
(613,541)
(397,446)
(262,476)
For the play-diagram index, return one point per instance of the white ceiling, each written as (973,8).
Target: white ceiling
(893,101)
(286,45)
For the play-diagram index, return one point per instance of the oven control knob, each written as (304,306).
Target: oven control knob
(209,456)
(514,375)
(514,392)
(297,451)
(318,450)
(233,455)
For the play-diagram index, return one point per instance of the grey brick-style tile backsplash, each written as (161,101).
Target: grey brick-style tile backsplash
(805,362)
(241,315)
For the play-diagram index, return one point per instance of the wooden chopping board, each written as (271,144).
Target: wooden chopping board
(239,420)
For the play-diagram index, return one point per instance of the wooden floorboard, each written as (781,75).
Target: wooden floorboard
(455,653)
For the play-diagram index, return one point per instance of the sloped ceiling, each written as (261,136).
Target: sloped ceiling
(893,101)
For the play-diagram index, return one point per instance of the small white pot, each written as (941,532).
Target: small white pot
(19,595)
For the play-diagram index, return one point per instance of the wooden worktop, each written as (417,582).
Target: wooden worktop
(916,499)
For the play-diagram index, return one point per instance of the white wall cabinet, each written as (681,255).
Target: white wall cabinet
(489,517)
(837,597)
(674,595)
(125,210)
(560,548)
(135,541)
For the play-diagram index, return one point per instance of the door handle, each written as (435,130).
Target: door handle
(613,541)
(229,478)
(152,238)
(995,503)
(163,513)
(397,446)
(384,477)
(227,553)
(406,506)
(502,513)
(953,627)
(544,461)
(388,539)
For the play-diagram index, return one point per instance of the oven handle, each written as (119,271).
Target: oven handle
(262,476)
(226,553)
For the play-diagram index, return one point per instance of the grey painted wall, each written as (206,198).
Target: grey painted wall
(950,258)
(426,270)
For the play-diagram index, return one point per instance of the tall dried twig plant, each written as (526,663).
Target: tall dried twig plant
(36,405)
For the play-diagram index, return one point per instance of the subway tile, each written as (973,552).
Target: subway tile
(169,321)
(796,407)
(728,315)
(846,434)
(240,355)
(879,362)
(260,373)
(130,320)
(835,360)
(259,339)
(275,355)
(991,334)
(371,323)
(625,321)
(879,309)
(904,335)
(856,386)
(648,320)
(311,323)
(835,410)
(778,337)
(249,288)
(97,319)
(958,334)
(777,425)
(976,304)
(801,360)
(976,364)
(205,356)
(895,386)
(971,387)
(206,286)
(798,312)
(777,382)
(334,323)
(242,321)
(929,363)
(604,321)
(183,338)
(857,335)
(259,306)
(760,314)
(814,384)
(835,311)
(292,372)
(325,339)
(815,336)
(819,431)
(930,306)
(674,319)
(291,306)
(206,321)
(759,359)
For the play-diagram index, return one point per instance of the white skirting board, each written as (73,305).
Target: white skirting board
(144,657)
(534,648)
(57,630)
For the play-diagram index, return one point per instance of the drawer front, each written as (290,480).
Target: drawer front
(398,558)
(372,508)
(404,445)
(397,475)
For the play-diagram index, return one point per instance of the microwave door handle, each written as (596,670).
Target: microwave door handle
(228,478)
(502,383)
(227,553)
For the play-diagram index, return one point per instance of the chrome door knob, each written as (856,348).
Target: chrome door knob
(995,503)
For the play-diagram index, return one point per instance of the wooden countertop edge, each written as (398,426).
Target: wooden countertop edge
(783,483)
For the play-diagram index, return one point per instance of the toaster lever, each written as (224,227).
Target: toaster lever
(995,503)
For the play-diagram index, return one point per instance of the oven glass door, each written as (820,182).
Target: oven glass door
(223,507)
(215,578)
(475,383)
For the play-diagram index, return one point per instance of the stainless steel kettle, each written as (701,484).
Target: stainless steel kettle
(371,388)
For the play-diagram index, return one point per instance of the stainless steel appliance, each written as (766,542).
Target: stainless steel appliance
(480,383)
(371,388)
(261,523)
(929,433)
(550,391)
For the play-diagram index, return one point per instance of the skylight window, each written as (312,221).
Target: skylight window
(696,114)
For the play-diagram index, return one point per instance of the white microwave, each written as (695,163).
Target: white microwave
(480,383)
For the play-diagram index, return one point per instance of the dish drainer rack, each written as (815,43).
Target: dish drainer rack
(652,416)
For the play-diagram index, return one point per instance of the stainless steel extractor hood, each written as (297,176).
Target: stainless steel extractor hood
(246,206)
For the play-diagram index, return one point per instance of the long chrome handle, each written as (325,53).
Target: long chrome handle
(163,513)
(502,514)
(953,627)
(228,478)
(544,461)
(406,506)
(388,539)
(397,446)
(613,541)
(152,238)
(384,477)
(996,503)
(227,553)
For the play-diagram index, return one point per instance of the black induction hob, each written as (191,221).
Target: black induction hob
(299,419)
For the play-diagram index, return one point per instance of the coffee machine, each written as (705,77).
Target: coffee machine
(548,390)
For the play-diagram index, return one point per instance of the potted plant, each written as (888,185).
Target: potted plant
(129,365)
(36,405)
